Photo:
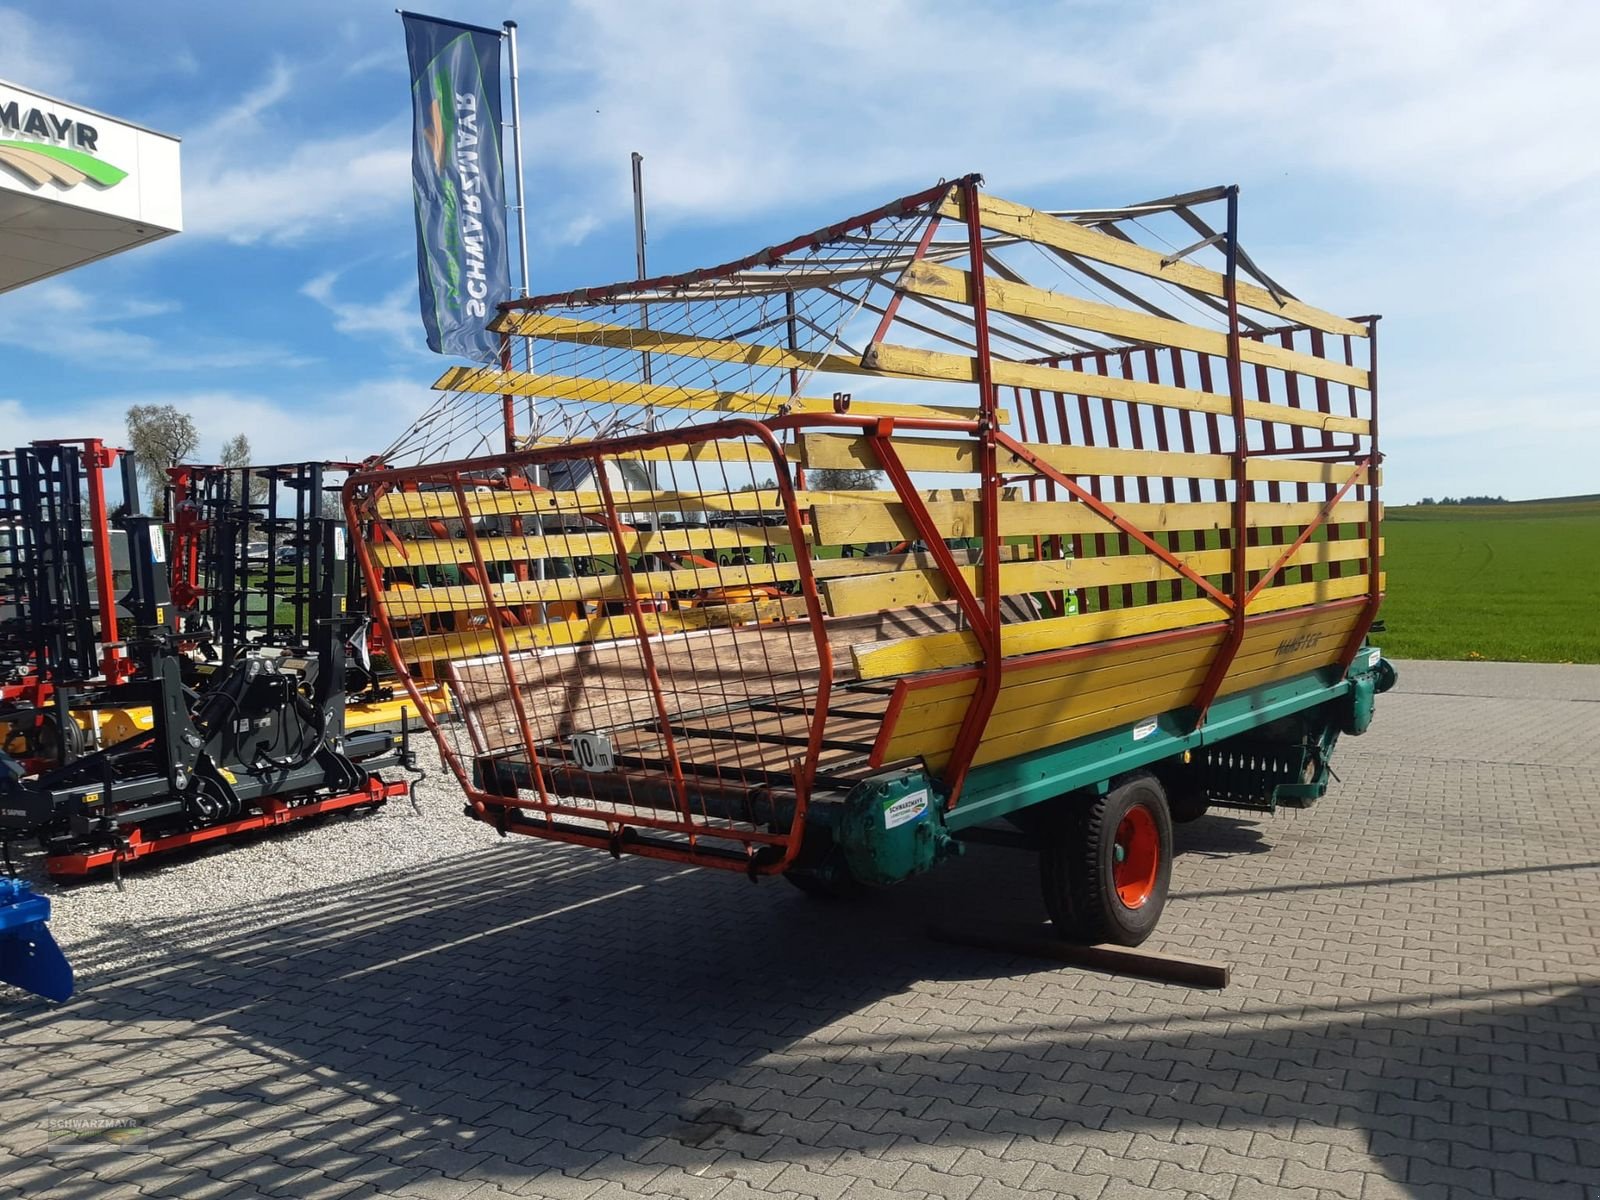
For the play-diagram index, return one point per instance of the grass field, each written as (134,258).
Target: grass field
(1513,582)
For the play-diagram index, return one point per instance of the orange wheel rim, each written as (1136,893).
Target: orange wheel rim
(1136,857)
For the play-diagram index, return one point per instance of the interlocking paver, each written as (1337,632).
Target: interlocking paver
(1415,1012)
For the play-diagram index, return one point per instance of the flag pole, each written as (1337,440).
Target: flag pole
(516,151)
(522,248)
(638,245)
(644,309)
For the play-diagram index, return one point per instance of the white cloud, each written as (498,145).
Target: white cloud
(740,107)
(251,176)
(1441,150)
(393,316)
(100,336)
(320,189)
(34,57)
(340,423)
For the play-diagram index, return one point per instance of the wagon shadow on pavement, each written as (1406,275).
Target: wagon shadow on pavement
(546,1020)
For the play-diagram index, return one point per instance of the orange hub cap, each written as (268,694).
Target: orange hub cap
(1136,857)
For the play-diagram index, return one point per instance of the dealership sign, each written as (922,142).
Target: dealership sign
(78,185)
(43,146)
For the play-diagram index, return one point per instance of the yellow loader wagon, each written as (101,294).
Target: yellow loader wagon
(955,512)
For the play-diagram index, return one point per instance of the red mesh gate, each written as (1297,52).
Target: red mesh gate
(636,665)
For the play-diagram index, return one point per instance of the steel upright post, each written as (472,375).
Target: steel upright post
(1240,522)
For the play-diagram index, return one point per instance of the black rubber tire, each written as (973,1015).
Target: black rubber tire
(835,889)
(1187,806)
(819,873)
(1076,866)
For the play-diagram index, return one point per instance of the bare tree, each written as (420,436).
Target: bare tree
(236,451)
(160,436)
(842,479)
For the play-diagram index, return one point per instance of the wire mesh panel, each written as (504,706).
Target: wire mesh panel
(626,658)
(996,477)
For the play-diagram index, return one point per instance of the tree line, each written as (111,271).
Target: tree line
(162,436)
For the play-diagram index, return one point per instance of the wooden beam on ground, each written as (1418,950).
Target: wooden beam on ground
(1031,942)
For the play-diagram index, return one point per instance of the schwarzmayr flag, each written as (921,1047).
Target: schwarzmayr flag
(458,183)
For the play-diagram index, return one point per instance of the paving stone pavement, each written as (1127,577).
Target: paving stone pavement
(1415,1013)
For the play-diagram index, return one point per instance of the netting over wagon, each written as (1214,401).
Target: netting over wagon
(902,490)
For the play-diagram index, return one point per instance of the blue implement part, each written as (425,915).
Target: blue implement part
(29,956)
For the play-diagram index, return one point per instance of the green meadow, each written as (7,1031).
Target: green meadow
(1513,582)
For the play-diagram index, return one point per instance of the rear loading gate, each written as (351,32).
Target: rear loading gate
(1118,526)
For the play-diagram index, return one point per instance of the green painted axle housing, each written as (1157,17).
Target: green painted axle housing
(896,824)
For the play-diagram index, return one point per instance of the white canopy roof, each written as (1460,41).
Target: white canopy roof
(77,185)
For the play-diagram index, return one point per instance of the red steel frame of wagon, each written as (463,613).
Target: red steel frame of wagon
(766,834)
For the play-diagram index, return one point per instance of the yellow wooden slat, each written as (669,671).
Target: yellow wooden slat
(1018,220)
(1078,713)
(660,341)
(898,589)
(495,382)
(497,502)
(960,456)
(1056,702)
(410,602)
(877,660)
(1029,732)
(850,524)
(1048,682)
(911,363)
(481,640)
(750,454)
(439,551)
(1040,304)
(1292,470)
(906,362)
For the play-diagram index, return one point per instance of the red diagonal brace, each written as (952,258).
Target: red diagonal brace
(1316,523)
(893,306)
(1101,509)
(987,632)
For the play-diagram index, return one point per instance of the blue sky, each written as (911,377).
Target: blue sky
(1428,161)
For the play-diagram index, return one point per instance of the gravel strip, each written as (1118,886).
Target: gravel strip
(289,862)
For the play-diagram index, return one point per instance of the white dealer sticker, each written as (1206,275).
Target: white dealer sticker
(908,808)
(1144,729)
